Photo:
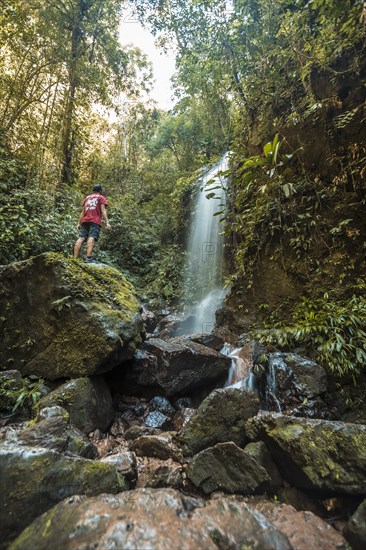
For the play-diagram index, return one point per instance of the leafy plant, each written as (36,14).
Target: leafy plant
(31,393)
(332,331)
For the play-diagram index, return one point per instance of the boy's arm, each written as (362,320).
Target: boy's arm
(105,215)
(80,218)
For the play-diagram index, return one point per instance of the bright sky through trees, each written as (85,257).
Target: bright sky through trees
(132,32)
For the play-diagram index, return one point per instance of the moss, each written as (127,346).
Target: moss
(104,285)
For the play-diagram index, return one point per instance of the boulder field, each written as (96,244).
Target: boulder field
(138,445)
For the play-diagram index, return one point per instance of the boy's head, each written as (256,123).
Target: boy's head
(97,188)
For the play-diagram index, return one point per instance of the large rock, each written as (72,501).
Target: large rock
(228,468)
(88,401)
(57,434)
(355,531)
(157,519)
(290,380)
(161,446)
(32,480)
(315,454)
(261,454)
(304,529)
(65,318)
(220,417)
(173,368)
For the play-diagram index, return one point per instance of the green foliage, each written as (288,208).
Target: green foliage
(331,330)
(22,394)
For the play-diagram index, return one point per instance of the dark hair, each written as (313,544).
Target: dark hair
(97,188)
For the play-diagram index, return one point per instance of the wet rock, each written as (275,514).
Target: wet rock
(181,419)
(53,412)
(124,462)
(228,468)
(161,404)
(304,530)
(155,419)
(315,453)
(65,318)
(355,531)
(160,473)
(291,379)
(220,417)
(159,519)
(162,446)
(88,401)
(175,368)
(208,339)
(55,433)
(149,319)
(33,479)
(261,454)
(183,403)
(137,431)
(118,427)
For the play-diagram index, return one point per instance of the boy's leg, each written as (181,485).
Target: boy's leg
(78,246)
(89,247)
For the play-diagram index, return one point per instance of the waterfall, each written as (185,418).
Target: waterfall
(203,284)
(240,374)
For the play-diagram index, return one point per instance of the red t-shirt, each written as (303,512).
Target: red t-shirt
(92,208)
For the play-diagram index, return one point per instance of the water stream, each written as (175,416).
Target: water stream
(203,285)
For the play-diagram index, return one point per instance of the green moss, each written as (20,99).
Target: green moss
(103,285)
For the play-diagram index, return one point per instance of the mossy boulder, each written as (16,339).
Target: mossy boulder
(61,317)
(315,454)
(34,479)
(228,468)
(220,417)
(156,519)
(87,400)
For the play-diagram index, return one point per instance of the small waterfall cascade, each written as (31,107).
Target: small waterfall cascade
(203,285)
(240,374)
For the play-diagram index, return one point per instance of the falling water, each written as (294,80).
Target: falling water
(203,287)
(240,374)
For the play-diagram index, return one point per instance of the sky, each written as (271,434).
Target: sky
(132,32)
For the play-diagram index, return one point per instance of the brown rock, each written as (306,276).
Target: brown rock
(158,519)
(159,473)
(304,530)
(161,446)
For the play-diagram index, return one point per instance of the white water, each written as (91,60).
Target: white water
(203,287)
(240,374)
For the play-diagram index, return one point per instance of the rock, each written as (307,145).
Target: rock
(160,473)
(208,339)
(175,368)
(304,530)
(228,468)
(302,501)
(261,454)
(55,433)
(183,403)
(181,418)
(290,380)
(118,428)
(220,417)
(88,401)
(161,446)
(158,519)
(315,454)
(53,412)
(65,318)
(124,462)
(149,319)
(155,419)
(161,404)
(355,531)
(137,431)
(32,480)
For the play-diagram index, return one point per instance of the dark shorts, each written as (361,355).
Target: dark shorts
(89,229)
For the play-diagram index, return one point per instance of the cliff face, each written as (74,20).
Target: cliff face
(303,230)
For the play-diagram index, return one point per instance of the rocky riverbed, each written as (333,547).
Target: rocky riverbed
(139,445)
